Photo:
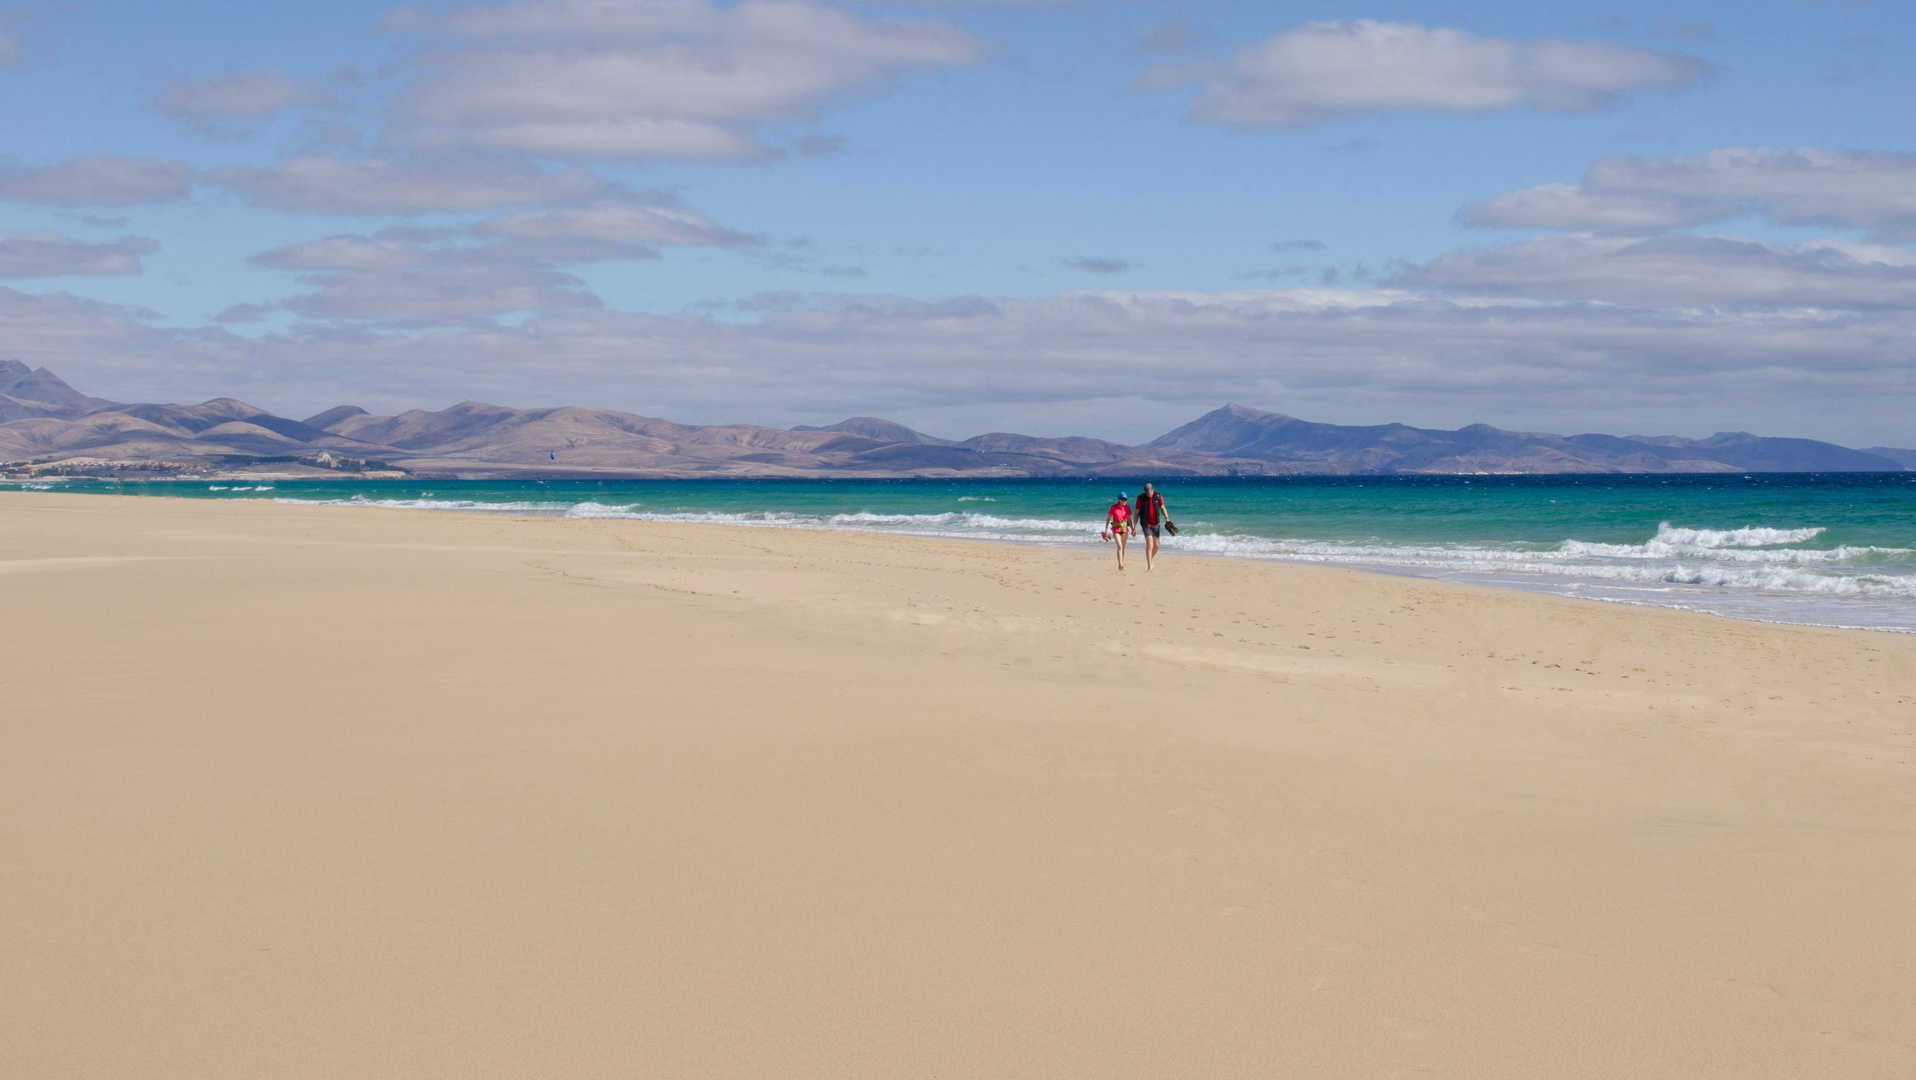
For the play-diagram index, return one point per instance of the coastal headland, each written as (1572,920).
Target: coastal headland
(302,791)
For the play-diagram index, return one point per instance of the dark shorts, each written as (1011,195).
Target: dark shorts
(1149,530)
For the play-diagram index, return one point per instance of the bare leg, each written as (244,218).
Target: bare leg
(1150,550)
(1117,537)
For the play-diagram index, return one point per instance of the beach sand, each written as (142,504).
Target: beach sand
(329,792)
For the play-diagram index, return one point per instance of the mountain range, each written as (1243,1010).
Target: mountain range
(47,426)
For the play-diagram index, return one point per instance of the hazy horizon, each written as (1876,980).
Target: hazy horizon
(948,436)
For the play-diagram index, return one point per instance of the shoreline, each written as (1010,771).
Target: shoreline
(1517,585)
(1567,586)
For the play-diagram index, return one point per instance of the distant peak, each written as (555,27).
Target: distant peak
(873,427)
(42,389)
(1245,412)
(333,416)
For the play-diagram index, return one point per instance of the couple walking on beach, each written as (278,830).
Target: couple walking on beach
(1123,520)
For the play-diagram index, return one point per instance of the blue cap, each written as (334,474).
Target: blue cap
(1122,495)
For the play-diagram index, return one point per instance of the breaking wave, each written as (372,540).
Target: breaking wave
(1750,558)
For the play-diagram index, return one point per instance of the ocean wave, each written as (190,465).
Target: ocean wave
(1751,536)
(1574,549)
(1839,571)
(1750,544)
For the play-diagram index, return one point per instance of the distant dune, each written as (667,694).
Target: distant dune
(47,425)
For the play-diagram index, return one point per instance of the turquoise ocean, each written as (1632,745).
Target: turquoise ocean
(1824,549)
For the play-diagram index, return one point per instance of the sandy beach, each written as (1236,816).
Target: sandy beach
(328,792)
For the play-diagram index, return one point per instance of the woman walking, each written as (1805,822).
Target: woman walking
(1117,524)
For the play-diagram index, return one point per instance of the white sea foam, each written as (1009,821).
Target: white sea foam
(464,505)
(966,523)
(1751,536)
(1840,571)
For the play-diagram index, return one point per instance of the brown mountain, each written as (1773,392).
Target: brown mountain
(885,431)
(1238,432)
(27,393)
(48,425)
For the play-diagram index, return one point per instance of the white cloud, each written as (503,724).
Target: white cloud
(243,313)
(104,342)
(97,180)
(349,253)
(650,79)
(420,277)
(1582,332)
(1805,186)
(1084,362)
(49,254)
(442,292)
(1100,264)
(1572,206)
(1322,70)
(1680,272)
(252,95)
(1095,362)
(504,264)
(658,221)
(320,185)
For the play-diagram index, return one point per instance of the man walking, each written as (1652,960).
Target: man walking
(1150,517)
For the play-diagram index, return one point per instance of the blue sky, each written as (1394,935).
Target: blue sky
(1097,217)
